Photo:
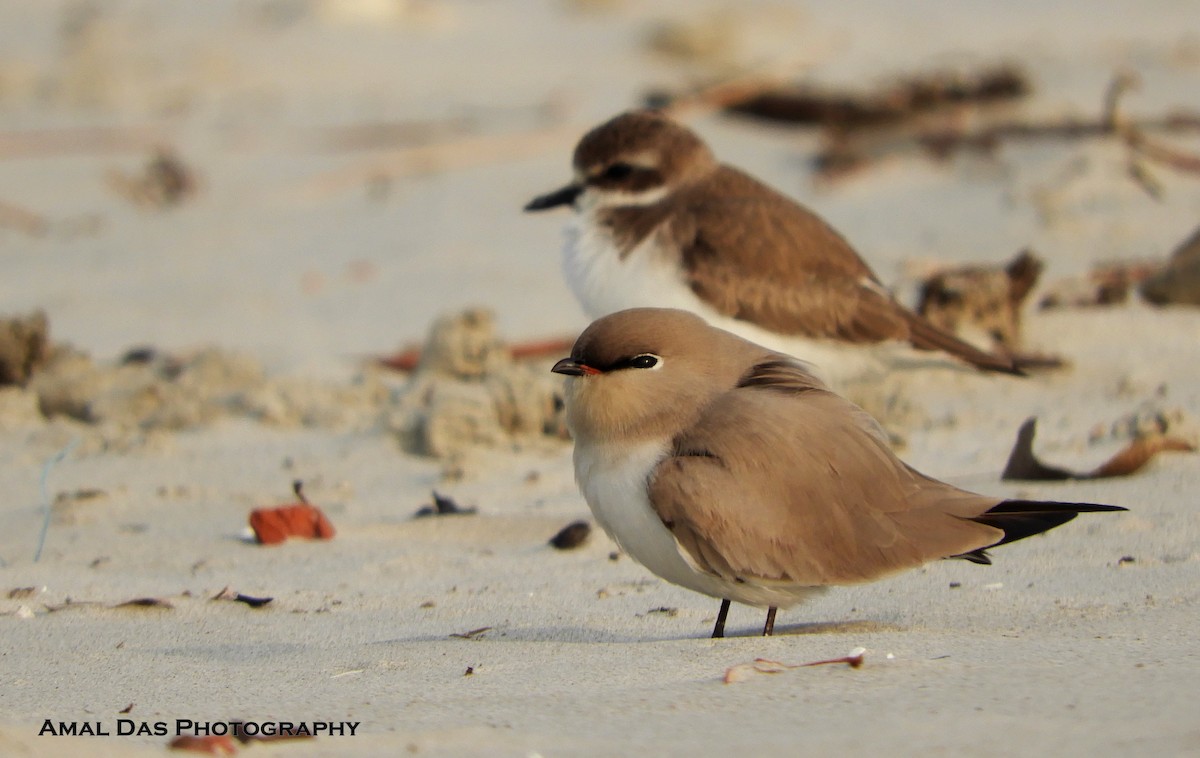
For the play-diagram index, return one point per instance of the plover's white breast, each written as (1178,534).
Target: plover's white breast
(649,276)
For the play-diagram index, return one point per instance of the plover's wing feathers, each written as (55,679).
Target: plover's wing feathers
(781,482)
(753,254)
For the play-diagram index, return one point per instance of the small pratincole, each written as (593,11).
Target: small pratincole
(731,470)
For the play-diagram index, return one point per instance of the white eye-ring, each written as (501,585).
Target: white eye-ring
(645,360)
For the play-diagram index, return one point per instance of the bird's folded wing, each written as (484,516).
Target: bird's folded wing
(793,486)
(794,274)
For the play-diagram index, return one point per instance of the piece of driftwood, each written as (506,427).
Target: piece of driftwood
(1023,465)
(847,151)
(842,111)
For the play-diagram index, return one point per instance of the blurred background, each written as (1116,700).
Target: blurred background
(315,180)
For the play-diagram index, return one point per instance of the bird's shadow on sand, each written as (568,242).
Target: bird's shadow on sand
(562,634)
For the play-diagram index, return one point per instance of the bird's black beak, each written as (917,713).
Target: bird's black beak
(572,367)
(564,196)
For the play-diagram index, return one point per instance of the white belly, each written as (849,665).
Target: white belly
(614,484)
(649,277)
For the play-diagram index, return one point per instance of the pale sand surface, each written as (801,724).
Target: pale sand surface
(1057,649)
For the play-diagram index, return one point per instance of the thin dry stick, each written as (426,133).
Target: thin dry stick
(846,154)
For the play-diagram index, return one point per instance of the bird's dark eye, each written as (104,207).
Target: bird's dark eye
(643,361)
(618,171)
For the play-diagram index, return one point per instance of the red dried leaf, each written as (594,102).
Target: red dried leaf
(212,745)
(274,525)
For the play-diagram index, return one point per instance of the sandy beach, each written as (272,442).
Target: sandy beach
(356,171)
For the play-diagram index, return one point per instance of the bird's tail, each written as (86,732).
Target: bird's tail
(1019,519)
(925,336)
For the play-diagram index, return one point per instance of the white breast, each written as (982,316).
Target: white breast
(614,481)
(605,283)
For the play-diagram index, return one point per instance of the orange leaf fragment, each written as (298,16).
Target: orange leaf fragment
(274,525)
(1138,454)
(212,745)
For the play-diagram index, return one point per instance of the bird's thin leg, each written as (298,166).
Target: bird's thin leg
(719,629)
(769,628)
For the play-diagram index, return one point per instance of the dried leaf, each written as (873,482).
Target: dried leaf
(274,525)
(572,535)
(473,634)
(1137,454)
(212,745)
(253,602)
(444,506)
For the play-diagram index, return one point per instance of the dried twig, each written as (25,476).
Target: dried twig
(849,150)
(853,659)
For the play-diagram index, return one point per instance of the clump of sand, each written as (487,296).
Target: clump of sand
(469,392)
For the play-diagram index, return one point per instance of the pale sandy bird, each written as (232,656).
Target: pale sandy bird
(660,222)
(731,470)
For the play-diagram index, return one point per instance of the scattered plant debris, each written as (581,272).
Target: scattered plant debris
(24,347)
(572,535)
(165,181)
(1023,465)
(17,593)
(664,610)
(1179,281)
(444,506)
(853,659)
(127,709)
(211,745)
(274,525)
(253,602)
(1107,284)
(474,634)
(844,111)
